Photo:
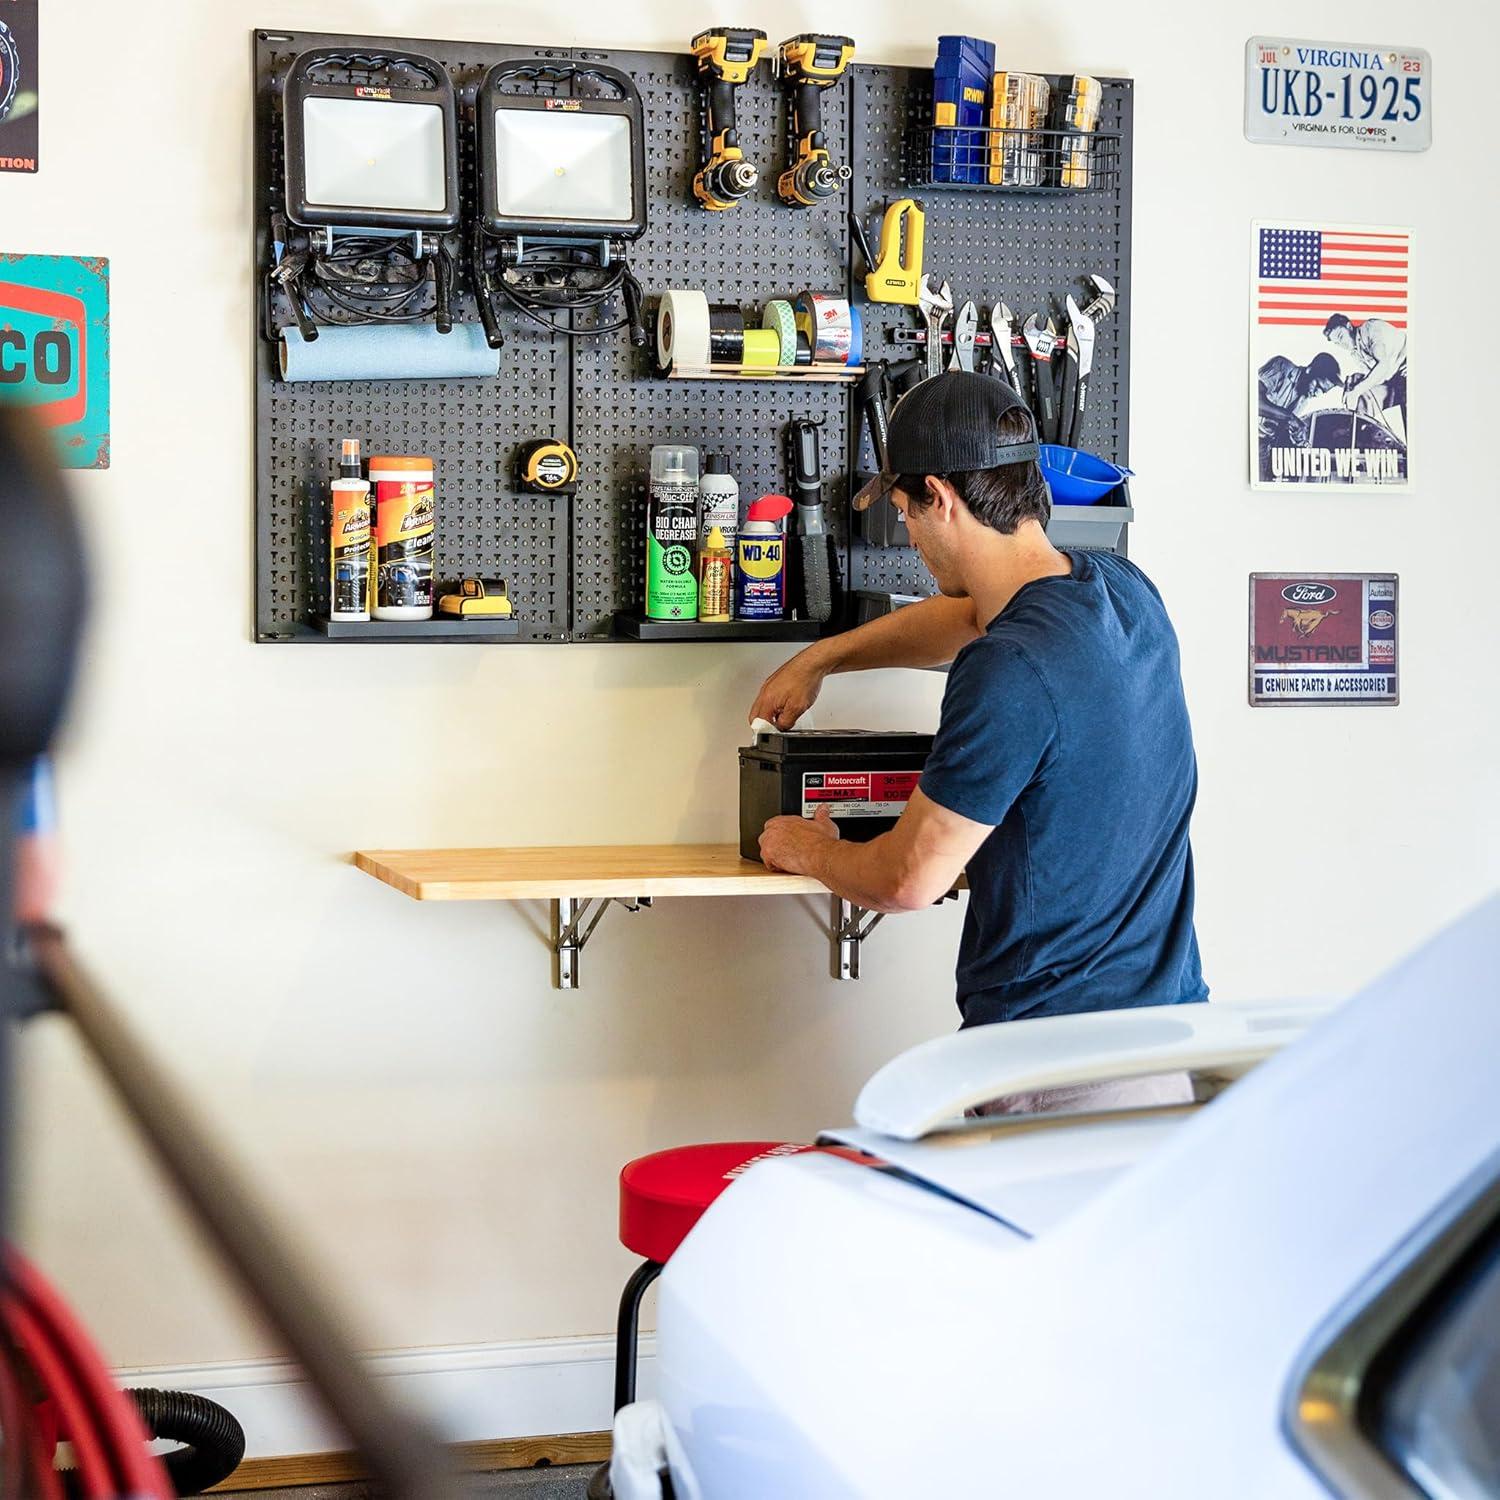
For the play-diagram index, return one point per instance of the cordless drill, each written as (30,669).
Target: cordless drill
(727,56)
(809,64)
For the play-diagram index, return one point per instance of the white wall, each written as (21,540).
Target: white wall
(442,1128)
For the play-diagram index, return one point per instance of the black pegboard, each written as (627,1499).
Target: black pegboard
(573,563)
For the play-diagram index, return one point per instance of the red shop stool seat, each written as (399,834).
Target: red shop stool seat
(661,1197)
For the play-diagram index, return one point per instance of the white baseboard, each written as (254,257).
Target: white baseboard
(469,1392)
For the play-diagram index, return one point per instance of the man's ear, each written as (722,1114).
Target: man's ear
(942,497)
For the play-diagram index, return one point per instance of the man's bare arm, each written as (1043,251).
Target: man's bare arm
(929,634)
(917,863)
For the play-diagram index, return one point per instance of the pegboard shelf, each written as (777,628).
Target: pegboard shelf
(390,632)
(793,374)
(1063,162)
(636,627)
(576,565)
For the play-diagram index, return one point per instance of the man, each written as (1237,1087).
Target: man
(1381,348)
(1062,775)
(1285,387)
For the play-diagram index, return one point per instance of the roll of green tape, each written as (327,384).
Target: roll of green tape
(779,316)
(762,348)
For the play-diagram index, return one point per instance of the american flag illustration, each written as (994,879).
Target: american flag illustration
(1306,275)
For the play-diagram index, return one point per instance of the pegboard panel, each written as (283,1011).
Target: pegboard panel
(744,257)
(471,428)
(573,563)
(1026,249)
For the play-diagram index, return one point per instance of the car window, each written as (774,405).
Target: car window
(1432,1400)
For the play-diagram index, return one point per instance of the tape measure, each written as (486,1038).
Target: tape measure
(547,466)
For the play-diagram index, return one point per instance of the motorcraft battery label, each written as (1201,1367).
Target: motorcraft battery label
(858,794)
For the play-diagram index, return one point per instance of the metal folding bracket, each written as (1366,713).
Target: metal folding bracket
(848,926)
(573,924)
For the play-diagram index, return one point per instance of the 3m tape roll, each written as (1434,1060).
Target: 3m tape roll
(726,335)
(763,348)
(825,318)
(399,351)
(682,329)
(778,315)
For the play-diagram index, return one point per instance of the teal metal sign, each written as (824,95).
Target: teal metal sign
(54,349)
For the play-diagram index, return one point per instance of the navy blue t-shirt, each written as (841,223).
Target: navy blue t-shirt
(1064,726)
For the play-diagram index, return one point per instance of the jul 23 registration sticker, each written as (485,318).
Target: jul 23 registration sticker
(1325,638)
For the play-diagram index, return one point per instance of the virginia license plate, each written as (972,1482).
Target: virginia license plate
(1300,93)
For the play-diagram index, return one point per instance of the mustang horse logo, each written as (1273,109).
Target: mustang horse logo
(1305,621)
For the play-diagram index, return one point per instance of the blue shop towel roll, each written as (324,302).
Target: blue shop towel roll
(397,351)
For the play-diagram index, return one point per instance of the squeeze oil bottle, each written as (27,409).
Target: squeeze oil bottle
(760,574)
(715,572)
(405,529)
(349,544)
(672,534)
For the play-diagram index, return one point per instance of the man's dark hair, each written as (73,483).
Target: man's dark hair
(1337,321)
(1324,367)
(1002,497)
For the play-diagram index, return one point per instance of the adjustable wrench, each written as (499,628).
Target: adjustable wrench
(1042,342)
(1076,367)
(965,326)
(936,302)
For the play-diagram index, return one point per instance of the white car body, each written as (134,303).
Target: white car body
(1067,1307)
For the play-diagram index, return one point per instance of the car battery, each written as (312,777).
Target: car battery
(864,777)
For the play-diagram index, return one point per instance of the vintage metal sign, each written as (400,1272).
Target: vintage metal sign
(1323,638)
(18,86)
(1352,94)
(54,349)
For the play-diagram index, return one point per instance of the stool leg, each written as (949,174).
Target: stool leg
(627,1329)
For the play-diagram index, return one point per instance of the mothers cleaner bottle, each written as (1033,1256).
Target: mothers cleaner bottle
(672,534)
(760,574)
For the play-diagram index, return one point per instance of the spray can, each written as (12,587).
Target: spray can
(715,580)
(349,543)
(672,534)
(760,577)
(721,508)
(405,530)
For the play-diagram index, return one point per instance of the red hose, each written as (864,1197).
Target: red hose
(102,1415)
(13,1423)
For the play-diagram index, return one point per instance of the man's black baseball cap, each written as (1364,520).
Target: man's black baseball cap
(949,424)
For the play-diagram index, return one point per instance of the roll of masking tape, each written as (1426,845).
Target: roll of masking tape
(779,316)
(825,319)
(763,348)
(682,329)
(726,335)
(395,351)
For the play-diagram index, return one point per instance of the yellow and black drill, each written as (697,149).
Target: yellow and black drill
(727,56)
(808,64)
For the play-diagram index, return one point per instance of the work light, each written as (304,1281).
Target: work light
(560,190)
(553,167)
(371,142)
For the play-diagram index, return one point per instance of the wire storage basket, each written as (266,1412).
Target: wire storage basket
(1007,159)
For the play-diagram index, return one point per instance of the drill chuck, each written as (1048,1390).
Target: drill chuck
(731,180)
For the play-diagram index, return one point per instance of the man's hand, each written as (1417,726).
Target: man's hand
(786,843)
(789,691)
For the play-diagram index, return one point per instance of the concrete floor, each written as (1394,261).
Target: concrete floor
(553,1483)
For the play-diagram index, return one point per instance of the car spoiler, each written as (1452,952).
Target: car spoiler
(930,1086)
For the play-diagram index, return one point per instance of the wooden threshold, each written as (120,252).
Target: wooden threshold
(476,1458)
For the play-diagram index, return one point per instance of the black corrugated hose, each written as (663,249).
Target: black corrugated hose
(213,1442)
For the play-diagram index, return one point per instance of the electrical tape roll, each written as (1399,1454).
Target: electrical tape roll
(826,320)
(778,315)
(804,349)
(726,336)
(856,335)
(682,329)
